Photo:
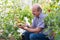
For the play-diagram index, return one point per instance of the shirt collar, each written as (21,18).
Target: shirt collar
(40,15)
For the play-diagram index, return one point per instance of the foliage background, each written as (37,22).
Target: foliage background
(10,10)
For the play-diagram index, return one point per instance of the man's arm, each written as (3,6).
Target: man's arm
(31,29)
(35,30)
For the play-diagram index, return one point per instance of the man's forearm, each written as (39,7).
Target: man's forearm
(35,30)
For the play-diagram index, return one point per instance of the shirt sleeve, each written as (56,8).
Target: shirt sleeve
(41,23)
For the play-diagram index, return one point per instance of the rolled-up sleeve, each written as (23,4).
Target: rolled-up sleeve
(41,23)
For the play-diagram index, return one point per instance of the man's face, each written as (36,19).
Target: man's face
(35,12)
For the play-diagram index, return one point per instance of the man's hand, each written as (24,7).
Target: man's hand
(21,26)
(25,28)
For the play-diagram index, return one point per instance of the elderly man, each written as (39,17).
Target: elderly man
(35,32)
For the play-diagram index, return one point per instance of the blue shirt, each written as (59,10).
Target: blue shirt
(38,22)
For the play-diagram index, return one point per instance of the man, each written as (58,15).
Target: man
(35,32)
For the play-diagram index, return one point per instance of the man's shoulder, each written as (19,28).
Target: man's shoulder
(43,15)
